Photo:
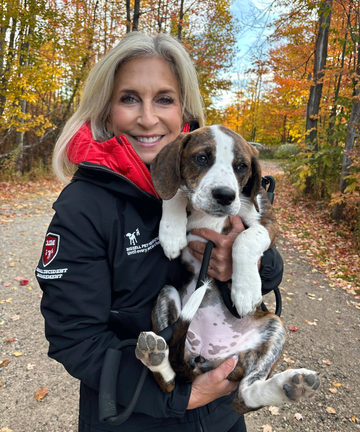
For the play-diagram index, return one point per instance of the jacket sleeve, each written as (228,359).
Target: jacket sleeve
(271,271)
(76,304)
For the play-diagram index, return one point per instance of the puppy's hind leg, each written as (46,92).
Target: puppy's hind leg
(256,391)
(152,350)
(257,365)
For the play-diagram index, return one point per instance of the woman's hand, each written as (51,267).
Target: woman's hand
(220,266)
(213,385)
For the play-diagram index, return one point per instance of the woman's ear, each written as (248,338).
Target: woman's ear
(165,168)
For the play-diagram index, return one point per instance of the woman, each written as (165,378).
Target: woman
(102,265)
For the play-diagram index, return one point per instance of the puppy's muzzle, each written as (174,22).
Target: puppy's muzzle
(223,196)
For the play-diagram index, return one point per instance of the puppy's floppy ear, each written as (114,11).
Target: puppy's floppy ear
(252,187)
(165,168)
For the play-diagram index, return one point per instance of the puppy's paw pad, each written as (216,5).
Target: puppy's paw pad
(301,385)
(151,349)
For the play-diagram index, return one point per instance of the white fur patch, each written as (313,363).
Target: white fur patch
(246,283)
(194,302)
(220,175)
(172,231)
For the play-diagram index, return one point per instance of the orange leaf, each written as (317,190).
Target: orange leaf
(4,363)
(336,384)
(41,394)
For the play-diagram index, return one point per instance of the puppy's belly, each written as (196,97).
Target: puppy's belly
(215,334)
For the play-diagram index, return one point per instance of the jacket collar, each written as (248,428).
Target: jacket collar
(115,153)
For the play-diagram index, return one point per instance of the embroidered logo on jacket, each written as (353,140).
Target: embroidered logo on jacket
(136,248)
(52,242)
(132,236)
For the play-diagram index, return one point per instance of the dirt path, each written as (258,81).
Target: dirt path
(327,339)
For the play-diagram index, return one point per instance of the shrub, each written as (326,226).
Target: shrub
(286,151)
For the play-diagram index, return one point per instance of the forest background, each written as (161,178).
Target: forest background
(298,93)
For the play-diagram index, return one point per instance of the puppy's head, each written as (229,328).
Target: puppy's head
(213,166)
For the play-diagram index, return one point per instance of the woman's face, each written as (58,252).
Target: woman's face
(145,105)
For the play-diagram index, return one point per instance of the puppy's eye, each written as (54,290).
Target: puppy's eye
(242,167)
(202,159)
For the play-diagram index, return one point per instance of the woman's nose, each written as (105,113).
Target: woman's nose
(147,116)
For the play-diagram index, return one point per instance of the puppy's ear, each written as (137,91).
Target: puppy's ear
(165,168)
(252,187)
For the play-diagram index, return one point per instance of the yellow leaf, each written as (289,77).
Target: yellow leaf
(17,354)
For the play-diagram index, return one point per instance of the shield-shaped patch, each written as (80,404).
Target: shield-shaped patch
(51,248)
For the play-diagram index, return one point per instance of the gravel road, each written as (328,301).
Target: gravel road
(327,338)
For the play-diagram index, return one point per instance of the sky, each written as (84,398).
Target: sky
(252,16)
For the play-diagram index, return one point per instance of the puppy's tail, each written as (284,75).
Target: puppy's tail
(194,302)
(177,341)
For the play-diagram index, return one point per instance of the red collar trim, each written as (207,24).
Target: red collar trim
(115,153)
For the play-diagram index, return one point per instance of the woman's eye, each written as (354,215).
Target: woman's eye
(202,159)
(242,167)
(166,100)
(127,99)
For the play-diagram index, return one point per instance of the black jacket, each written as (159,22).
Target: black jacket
(100,276)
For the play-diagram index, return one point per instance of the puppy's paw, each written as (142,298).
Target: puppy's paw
(245,300)
(172,243)
(151,350)
(246,289)
(302,383)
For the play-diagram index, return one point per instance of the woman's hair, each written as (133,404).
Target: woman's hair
(94,106)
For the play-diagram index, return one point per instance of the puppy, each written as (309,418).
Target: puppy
(205,177)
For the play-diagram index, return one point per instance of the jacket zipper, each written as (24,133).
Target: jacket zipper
(139,167)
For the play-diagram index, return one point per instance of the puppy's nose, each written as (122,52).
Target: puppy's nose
(224,196)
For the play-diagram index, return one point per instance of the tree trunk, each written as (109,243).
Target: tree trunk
(353,127)
(128,17)
(319,65)
(136,15)
(181,17)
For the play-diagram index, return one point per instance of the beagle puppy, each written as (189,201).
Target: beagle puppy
(204,177)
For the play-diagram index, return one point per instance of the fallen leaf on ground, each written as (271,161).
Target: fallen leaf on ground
(288,360)
(274,410)
(17,354)
(330,410)
(6,284)
(4,363)
(336,384)
(30,366)
(293,329)
(5,429)
(298,416)
(24,282)
(19,278)
(10,340)
(266,428)
(41,394)
(326,361)
(15,317)
(333,390)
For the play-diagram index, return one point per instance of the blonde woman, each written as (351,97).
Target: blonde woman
(102,265)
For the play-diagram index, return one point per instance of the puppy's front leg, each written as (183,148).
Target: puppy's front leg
(172,231)
(248,248)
